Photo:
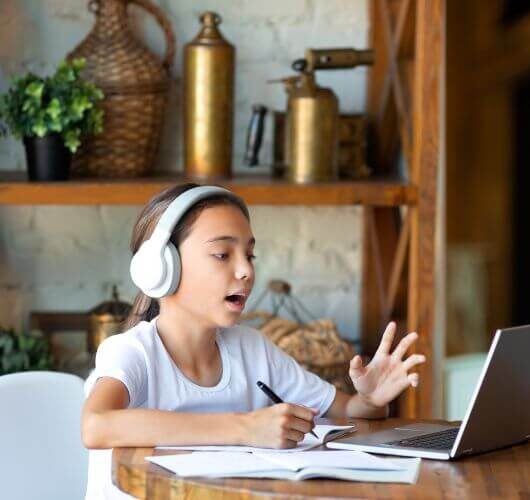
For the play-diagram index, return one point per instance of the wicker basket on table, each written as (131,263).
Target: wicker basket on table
(135,85)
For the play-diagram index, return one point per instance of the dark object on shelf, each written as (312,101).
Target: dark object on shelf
(337,58)
(135,85)
(352,147)
(106,319)
(49,323)
(255,131)
(47,157)
(22,352)
(208,101)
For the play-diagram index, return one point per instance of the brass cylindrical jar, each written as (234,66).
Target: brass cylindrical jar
(106,319)
(312,123)
(208,101)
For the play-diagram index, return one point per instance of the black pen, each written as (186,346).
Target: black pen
(275,398)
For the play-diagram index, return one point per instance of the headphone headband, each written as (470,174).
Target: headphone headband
(178,207)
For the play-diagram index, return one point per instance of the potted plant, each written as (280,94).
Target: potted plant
(23,352)
(51,114)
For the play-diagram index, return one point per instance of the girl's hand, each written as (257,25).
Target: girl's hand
(280,426)
(386,376)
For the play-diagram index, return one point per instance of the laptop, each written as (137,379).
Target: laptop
(498,414)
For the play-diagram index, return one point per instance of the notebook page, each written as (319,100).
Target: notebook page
(213,463)
(329,460)
(307,443)
(327,431)
(302,446)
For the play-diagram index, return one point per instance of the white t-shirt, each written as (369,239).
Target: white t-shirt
(139,359)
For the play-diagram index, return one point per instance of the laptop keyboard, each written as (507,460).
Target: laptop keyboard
(442,440)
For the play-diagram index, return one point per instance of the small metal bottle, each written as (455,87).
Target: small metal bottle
(311,130)
(208,101)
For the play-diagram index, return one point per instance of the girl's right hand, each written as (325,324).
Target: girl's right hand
(280,426)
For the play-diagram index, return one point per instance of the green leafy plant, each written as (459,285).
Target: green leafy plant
(23,352)
(63,103)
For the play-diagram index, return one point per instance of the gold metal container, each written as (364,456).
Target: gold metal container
(106,319)
(208,95)
(352,157)
(311,132)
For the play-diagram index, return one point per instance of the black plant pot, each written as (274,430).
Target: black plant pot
(48,158)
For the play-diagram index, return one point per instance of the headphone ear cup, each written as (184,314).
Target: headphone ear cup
(171,263)
(172,257)
(147,268)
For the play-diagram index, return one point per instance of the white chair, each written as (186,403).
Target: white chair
(41,453)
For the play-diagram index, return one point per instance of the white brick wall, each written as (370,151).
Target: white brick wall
(64,258)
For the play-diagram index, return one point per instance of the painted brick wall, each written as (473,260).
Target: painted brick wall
(65,258)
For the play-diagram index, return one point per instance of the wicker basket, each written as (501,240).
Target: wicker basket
(316,345)
(135,85)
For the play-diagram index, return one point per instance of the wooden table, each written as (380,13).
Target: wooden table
(503,473)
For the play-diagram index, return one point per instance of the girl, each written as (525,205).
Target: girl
(184,372)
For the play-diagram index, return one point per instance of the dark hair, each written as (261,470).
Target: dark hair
(144,307)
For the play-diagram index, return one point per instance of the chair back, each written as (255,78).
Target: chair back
(41,452)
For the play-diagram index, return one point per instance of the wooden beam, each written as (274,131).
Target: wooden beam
(384,120)
(392,40)
(424,168)
(397,268)
(255,190)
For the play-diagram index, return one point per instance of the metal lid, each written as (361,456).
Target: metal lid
(209,33)
(113,307)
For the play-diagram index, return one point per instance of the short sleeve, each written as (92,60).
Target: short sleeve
(295,384)
(120,359)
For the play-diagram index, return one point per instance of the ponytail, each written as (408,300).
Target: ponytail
(144,308)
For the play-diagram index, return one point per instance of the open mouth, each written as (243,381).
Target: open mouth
(236,299)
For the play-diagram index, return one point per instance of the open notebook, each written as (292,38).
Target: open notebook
(345,465)
(325,434)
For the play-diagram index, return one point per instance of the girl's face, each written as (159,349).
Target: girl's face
(217,270)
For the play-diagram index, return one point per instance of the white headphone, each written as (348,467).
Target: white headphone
(155,267)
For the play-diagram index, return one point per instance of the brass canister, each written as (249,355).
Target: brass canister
(106,319)
(311,131)
(208,86)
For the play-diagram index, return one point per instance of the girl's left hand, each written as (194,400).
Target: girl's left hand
(386,376)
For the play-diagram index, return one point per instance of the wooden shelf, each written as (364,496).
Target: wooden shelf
(254,189)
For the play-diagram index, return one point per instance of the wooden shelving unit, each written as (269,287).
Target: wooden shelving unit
(398,258)
(255,190)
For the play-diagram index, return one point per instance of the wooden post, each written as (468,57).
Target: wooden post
(423,173)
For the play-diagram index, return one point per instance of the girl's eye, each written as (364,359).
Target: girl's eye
(224,256)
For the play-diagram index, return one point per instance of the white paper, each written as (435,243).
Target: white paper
(242,449)
(206,463)
(329,459)
(322,430)
(232,464)
(307,443)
